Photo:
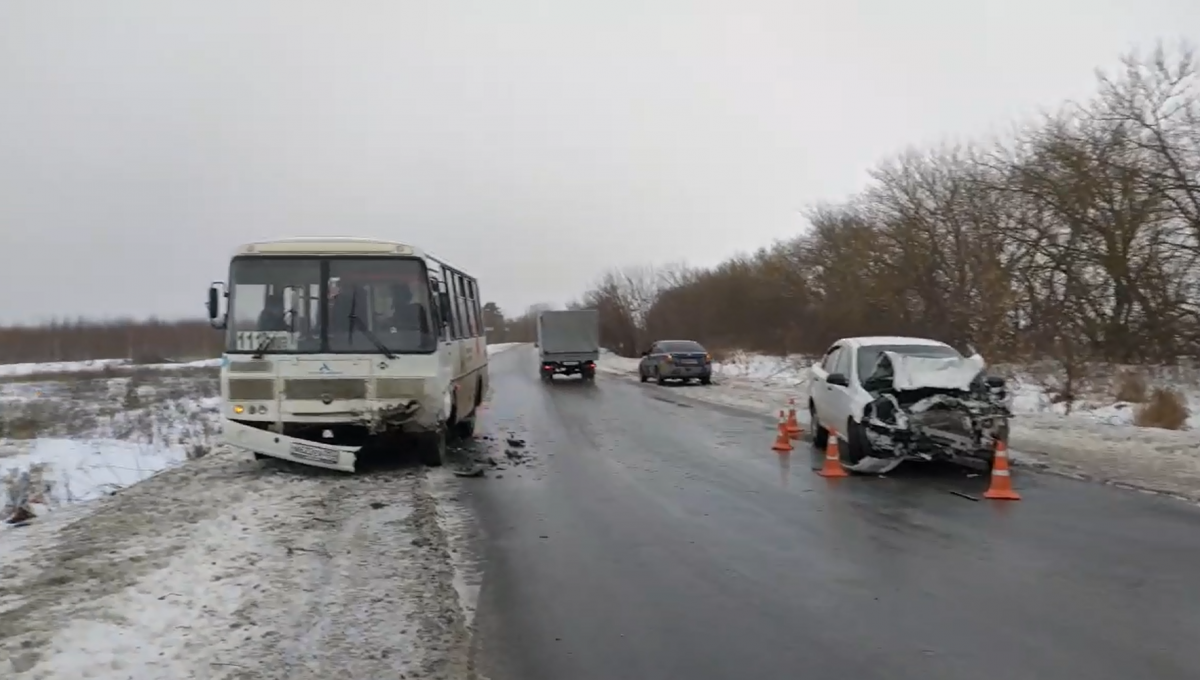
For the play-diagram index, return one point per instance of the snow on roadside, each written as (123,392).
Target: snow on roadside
(82,470)
(1089,443)
(500,347)
(80,436)
(231,568)
(96,366)
(753,382)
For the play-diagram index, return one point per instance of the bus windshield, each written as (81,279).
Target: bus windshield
(384,298)
(335,305)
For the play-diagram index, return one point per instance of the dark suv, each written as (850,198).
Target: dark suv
(676,360)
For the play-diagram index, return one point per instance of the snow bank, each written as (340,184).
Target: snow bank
(229,568)
(500,347)
(99,365)
(74,470)
(753,382)
(70,441)
(1096,440)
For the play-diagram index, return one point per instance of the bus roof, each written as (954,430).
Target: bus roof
(335,245)
(340,245)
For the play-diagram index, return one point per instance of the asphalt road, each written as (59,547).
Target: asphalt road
(656,537)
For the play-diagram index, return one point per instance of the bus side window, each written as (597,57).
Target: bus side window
(436,311)
(455,317)
(473,304)
(464,291)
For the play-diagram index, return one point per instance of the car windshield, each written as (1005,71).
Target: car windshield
(275,305)
(868,356)
(671,346)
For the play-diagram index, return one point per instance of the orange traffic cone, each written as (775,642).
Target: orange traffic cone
(781,442)
(793,427)
(1001,488)
(833,462)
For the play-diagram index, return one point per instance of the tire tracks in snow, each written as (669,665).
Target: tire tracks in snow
(229,568)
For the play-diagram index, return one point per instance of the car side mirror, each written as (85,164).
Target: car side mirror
(838,379)
(646,353)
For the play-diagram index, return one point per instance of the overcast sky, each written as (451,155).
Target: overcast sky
(534,144)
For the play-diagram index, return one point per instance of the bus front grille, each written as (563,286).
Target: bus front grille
(320,389)
(251,389)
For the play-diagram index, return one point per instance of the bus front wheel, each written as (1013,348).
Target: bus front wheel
(431,447)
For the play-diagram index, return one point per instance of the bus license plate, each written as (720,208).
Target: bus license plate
(313,453)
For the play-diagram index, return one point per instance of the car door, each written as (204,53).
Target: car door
(647,365)
(841,398)
(822,391)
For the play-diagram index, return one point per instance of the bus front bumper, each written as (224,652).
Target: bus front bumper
(289,448)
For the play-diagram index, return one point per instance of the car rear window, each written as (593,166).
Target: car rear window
(680,346)
(867,356)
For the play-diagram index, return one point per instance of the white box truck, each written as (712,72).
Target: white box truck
(568,343)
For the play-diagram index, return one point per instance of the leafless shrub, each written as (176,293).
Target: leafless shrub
(1076,240)
(720,355)
(1132,387)
(1166,409)
(151,341)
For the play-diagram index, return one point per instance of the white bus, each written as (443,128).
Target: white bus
(335,344)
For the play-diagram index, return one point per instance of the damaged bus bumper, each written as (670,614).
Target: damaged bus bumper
(308,450)
(275,445)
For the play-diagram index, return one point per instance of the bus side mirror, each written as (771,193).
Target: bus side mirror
(215,292)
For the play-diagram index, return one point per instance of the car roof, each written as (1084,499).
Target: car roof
(691,341)
(876,340)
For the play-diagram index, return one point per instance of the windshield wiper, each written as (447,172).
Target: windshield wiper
(354,320)
(289,317)
(261,350)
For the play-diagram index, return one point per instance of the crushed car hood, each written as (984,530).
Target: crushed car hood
(919,373)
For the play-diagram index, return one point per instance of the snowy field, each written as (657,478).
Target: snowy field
(157,554)
(77,432)
(1094,439)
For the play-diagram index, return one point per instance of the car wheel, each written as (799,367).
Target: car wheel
(820,434)
(706,380)
(642,375)
(855,446)
(658,378)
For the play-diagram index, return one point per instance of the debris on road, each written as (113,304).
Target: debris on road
(964,495)
(469,472)
(513,441)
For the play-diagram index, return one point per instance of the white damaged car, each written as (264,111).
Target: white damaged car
(892,399)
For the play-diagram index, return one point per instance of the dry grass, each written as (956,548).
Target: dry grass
(1132,387)
(139,405)
(721,355)
(1166,409)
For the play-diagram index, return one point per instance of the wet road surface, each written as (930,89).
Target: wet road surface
(657,537)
